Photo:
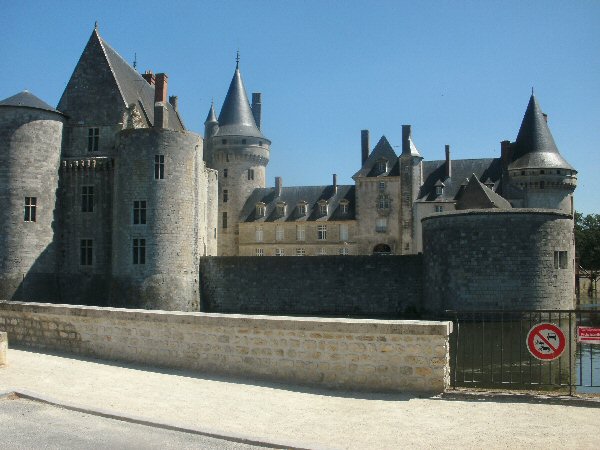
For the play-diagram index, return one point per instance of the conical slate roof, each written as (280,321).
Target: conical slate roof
(28,100)
(212,117)
(236,117)
(535,147)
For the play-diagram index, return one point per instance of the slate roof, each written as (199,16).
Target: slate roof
(292,196)
(28,100)
(535,146)
(211,117)
(462,169)
(383,150)
(236,117)
(476,195)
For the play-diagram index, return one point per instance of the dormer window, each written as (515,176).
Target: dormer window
(382,165)
(323,208)
(439,188)
(281,207)
(261,209)
(302,208)
(344,206)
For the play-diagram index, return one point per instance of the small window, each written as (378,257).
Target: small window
(87,199)
(259,234)
(224,141)
(343,251)
(300,252)
(322,251)
(522,172)
(227,157)
(251,174)
(381,225)
(30,209)
(139,251)
(381,186)
(344,207)
(302,209)
(542,172)
(93,139)
(279,252)
(225,173)
(560,260)
(382,166)
(439,208)
(322,232)
(558,172)
(323,209)
(384,202)
(279,233)
(281,209)
(259,252)
(159,167)
(224,220)
(343,232)
(259,142)
(439,190)
(300,233)
(86,252)
(244,141)
(139,212)
(225,195)
(261,210)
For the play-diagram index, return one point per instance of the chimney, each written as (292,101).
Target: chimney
(257,108)
(161,118)
(448,162)
(505,154)
(278,186)
(160,89)
(335,185)
(406,138)
(173,100)
(364,145)
(149,77)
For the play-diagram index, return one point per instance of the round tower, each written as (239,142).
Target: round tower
(538,174)
(156,219)
(240,153)
(30,145)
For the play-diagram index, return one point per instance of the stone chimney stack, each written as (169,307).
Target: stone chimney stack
(149,77)
(257,108)
(278,186)
(448,162)
(161,118)
(505,154)
(174,101)
(364,145)
(406,137)
(335,185)
(160,88)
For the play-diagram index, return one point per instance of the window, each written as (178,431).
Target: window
(381,225)
(382,186)
(225,173)
(343,250)
(279,233)
(439,208)
(384,202)
(244,141)
(560,260)
(300,233)
(323,208)
(139,212)
(300,252)
(87,199)
(322,232)
(344,207)
(225,195)
(259,234)
(343,232)
(322,251)
(86,252)
(159,167)
(439,190)
(224,141)
(260,143)
(93,139)
(224,220)
(139,251)
(227,157)
(30,209)
(281,209)
(261,209)
(251,174)
(382,165)
(302,209)
(279,252)
(259,252)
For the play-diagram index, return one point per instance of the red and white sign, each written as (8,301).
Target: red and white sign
(588,335)
(546,341)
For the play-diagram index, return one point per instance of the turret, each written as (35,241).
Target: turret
(240,153)
(410,181)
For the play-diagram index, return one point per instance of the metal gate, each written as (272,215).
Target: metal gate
(488,349)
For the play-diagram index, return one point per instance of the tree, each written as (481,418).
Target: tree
(587,240)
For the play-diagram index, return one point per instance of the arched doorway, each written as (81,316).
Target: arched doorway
(382,249)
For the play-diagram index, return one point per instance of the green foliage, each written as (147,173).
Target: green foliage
(587,240)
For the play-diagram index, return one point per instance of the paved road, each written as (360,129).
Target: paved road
(28,425)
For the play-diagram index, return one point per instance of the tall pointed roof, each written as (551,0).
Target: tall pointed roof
(535,147)
(383,150)
(27,100)
(212,117)
(478,196)
(236,117)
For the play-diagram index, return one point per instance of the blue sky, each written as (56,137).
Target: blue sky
(459,72)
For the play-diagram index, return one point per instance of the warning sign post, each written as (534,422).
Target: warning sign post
(546,341)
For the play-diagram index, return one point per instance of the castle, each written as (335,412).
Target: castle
(110,196)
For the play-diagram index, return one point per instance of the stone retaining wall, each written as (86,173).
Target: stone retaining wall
(381,355)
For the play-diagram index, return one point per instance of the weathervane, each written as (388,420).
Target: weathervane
(237,59)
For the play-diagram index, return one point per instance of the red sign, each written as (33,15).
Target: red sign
(546,341)
(588,335)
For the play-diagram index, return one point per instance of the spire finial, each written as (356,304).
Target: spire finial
(237,59)
(96,25)
(134,60)
(531,90)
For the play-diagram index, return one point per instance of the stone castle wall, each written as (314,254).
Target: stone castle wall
(498,259)
(384,286)
(379,355)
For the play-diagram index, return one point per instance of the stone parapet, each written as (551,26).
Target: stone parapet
(374,355)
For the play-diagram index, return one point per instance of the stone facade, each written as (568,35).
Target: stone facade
(374,355)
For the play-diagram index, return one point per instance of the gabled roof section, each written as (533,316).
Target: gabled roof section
(383,150)
(236,117)
(535,146)
(294,195)
(478,196)
(27,100)
(103,84)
